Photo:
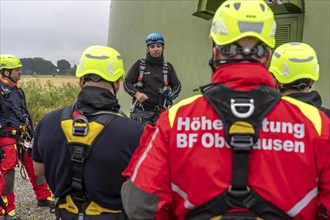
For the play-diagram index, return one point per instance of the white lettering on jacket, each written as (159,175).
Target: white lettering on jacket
(188,134)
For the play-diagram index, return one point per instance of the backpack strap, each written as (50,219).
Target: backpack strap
(81,134)
(242,114)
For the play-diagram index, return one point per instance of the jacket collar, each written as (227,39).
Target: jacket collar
(154,61)
(243,76)
(7,82)
(96,99)
(312,98)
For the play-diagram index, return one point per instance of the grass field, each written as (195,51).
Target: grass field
(51,80)
(47,93)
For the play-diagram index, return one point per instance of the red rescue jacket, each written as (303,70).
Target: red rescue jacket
(185,162)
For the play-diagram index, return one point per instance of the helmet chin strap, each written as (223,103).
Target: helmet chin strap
(9,76)
(114,89)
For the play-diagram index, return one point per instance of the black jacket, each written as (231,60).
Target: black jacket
(312,98)
(153,81)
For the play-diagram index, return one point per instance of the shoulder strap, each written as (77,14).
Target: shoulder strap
(139,83)
(242,114)
(165,73)
(81,135)
(142,68)
(3,107)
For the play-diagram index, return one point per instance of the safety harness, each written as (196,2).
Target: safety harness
(25,133)
(242,114)
(81,131)
(139,84)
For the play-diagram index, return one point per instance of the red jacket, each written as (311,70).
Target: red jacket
(183,161)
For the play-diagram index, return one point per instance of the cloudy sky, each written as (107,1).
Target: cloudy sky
(53,30)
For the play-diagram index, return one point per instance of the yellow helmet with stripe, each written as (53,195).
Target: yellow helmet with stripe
(103,61)
(8,61)
(293,61)
(236,19)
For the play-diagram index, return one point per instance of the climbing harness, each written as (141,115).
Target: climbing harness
(24,136)
(242,114)
(162,105)
(81,131)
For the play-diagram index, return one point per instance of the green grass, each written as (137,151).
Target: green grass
(42,99)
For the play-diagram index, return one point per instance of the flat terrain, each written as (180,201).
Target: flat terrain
(53,80)
(26,203)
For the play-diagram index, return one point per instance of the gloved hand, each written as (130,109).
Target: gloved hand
(169,102)
(170,95)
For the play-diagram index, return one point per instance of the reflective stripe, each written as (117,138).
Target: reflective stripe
(175,108)
(303,203)
(250,26)
(144,155)
(310,111)
(296,60)
(187,204)
(103,57)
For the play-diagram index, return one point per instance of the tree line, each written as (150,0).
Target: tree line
(40,66)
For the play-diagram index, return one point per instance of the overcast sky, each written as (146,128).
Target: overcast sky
(53,30)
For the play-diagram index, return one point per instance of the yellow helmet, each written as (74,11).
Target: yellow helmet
(293,61)
(103,61)
(236,19)
(8,61)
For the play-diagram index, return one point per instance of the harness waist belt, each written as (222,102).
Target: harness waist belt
(155,108)
(12,133)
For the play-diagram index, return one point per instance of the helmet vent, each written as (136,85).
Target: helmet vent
(237,6)
(277,55)
(262,7)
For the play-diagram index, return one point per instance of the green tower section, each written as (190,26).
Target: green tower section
(185,26)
